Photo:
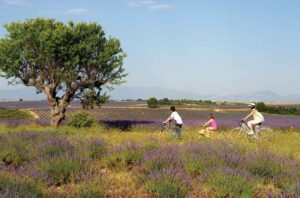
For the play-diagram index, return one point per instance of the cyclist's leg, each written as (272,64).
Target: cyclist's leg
(251,124)
(207,130)
(201,131)
(178,130)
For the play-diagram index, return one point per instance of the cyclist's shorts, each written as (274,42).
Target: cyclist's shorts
(254,122)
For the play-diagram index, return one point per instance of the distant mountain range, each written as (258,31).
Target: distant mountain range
(147,92)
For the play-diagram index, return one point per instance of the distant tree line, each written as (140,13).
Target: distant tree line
(277,109)
(153,102)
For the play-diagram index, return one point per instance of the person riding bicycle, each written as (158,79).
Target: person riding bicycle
(175,117)
(258,118)
(213,126)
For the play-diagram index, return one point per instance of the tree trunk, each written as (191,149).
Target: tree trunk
(58,105)
(58,110)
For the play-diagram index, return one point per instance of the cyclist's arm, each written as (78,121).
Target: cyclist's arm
(250,114)
(169,119)
(207,123)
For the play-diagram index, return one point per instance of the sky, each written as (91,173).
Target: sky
(200,46)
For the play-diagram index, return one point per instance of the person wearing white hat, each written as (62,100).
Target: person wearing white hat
(257,118)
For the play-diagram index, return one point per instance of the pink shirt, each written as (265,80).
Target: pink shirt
(213,124)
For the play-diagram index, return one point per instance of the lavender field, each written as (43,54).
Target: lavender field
(41,161)
(138,113)
(124,154)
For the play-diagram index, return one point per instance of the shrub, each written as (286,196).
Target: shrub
(97,149)
(62,171)
(13,186)
(124,159)
(90,191)
(166,185)
(152,102)
(81,120)
(231,183)
(54,147)
(15,150)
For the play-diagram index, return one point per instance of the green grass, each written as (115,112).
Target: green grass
(14,114)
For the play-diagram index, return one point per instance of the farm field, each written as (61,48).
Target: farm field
(125,155)
(40,161)
(137,113)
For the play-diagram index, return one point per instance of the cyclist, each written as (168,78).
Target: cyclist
(213,126)
(258,118)
(175,117)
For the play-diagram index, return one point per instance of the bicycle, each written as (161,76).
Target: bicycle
(174,131)
(257,132)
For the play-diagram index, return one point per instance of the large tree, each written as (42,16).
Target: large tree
(64,61)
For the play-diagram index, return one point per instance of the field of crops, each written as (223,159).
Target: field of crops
(126,155)
(137,113)
(39,161)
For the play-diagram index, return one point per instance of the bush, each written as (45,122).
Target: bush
(12,186)
(15,149)
(97,149)
(81,120)
(62,171)
(54,147)
(166,186)
(231,183)
(152,103)
(90,191)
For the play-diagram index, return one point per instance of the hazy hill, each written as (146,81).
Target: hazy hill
(147,92)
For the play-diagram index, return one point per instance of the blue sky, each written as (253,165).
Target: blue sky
(205,47)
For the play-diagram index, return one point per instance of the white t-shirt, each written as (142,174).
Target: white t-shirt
(176,117)
(258,116)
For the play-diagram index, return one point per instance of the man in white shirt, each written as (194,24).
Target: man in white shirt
(175,117)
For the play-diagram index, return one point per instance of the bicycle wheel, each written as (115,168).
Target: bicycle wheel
(267,135)
(231,133)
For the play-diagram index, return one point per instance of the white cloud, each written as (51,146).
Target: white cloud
(77,10)
(161,7)
(147,2)
(150,4)
(16,2)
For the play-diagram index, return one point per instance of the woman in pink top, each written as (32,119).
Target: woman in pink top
(213,126)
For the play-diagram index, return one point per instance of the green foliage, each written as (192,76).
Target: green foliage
(19,186)
(277,109)
(97,150)
(62,171)
(81,120)
(231,185)
(90,99)
(76,60)
(14,114)
(167,186)
(152,102)
(166,101)
(124,159)
(14,156)
(15,152)
(90,191)
(194,166)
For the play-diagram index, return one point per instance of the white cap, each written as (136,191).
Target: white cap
(251,105)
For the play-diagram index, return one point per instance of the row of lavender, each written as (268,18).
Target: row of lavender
(35,163)
(287,122)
